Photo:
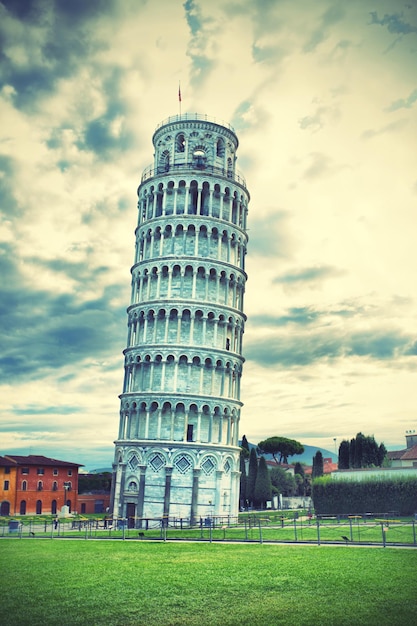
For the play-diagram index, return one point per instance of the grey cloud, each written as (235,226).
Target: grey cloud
(26,10)
(330,17)
(193,17)
(202,30)
(306,349)
(316,121)
(73,11)
(395,23)
(266,54)
(9,204)
(307,274)
(388,128)
(403,103)
(300,316)
(41,331)
(37,410)
(306,316)
(319,166)
(62,33)
(268,236)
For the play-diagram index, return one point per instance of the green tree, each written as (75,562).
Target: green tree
(318,469)
(243,483)
(281,447)
(253,470)
(300,487)
(94,482)
(382,454)
(299,469)
(361,451)
(263,487)
(282,482)
(299,475)
(244,444)
(343,461)
(352,445)
(244,448)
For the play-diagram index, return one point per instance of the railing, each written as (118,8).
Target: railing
(263,527)
(151,171)
(184,117)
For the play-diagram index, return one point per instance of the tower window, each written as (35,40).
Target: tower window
(190,429)
(199,157)
(220,148)
(180,143)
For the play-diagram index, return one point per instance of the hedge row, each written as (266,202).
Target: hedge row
(373,495)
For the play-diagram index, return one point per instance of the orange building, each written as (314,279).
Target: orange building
(8,471)
(40,485)
(95,502)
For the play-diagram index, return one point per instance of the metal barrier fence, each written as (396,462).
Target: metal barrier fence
(345,530)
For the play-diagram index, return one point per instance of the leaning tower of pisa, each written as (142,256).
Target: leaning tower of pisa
(177,454)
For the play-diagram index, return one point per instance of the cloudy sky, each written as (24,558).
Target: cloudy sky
(323,97)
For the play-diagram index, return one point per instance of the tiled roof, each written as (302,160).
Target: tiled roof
(38,459)
(4,462)
(410,454)
(395,454)
(407,454)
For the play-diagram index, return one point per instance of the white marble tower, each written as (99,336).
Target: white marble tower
(177,451)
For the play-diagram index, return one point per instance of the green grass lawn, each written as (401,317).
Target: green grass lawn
(70,582)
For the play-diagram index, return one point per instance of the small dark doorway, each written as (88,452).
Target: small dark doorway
(5,509)
(130,514)
(190,428)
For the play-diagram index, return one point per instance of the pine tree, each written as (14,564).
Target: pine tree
(244,444)
(253,470)
(318,469)
(263,487)
(299,476)
(382,453)
(299,469)
(352,446)
(343,461)
(359,450)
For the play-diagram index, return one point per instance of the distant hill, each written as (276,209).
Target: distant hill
(306,457)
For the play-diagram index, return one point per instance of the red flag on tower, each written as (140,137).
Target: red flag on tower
(179,93)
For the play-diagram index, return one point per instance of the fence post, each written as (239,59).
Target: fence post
(318,530)
(383,534)
(295,529)
(260,531)
(414,531)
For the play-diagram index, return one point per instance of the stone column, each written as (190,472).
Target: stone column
(194,497)
(141,496)
(167,494)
